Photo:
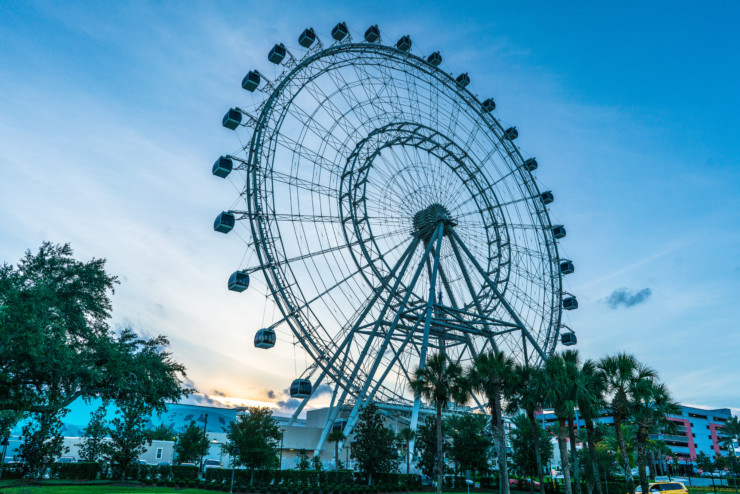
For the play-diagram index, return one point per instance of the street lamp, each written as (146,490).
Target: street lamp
(234,452)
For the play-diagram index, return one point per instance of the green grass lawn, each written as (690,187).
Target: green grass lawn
(92,489)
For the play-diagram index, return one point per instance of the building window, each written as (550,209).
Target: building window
(159,453)
(697,416)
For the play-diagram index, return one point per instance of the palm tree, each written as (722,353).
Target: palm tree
(557,394)
(527,395)
(407,435)
(491,374)
(621,372)
(572,360)
(652,403)
(439,382)
(731,434)
(592,388)
(336,437)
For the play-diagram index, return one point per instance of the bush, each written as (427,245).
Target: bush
(74,471)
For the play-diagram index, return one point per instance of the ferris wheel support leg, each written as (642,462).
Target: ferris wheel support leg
(405,260)
(469,284)
(504,302)
(363,397)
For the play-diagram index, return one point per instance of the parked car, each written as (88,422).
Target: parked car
(211,463)
(665,488)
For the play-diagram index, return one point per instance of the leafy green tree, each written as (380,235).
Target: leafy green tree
(652,404)
(129,436)
(591,400)
(374,444)
(303,463)
(316,463)
(572,360)
(527,393)
(469,442)
(426,446)
(192,444)
(56,345)
(611,442)
(621,372)
(336,437)
(94,436)
(558,395)
(257,436)
(523,452)
(43,442)
(163,432)
(440,381)
(704,462)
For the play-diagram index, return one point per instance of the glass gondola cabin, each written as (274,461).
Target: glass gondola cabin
(404,44)
(570,303)
(530,164)
(300,388)
(558,231)
(435,58)
(222,167)
(463,80)
(568,339)
(307,37)
(232,119)
(238,281)
(277,53)
(566,267)
(265,338)
(372,34)
(251,81)
(547,197)
(489,105)
(340,31)
(511,133)
(224,222)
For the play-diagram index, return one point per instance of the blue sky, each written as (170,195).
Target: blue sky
(110,121)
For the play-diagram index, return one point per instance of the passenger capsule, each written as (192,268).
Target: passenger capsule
(223,166)
(300,388)
(251,81)
(340,31)
(566,267)
(511,133)
(463,80)
(530,164)
(404,44)
(265,338)
(570,303)
(547,197)
(435,59)
(307,37)
(372,34)
(558,231)
(238,281)
(568,339)
(489,105)
(224,222)
(232,119)
(277,53)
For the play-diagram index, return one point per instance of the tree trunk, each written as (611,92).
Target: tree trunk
(653,464)
(574,454)
(642,435)
(502,463)
(408,456)
(336,455)
(494,439)
(592,453)
(533,423)
(625,457)
(565,464)
(440,472)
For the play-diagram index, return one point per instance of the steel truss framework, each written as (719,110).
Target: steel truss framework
(392,217)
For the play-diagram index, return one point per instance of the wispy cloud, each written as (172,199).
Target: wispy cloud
(622,297)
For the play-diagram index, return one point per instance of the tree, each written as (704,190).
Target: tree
(731,436)
(129,436)
(592,386)
(257,436)
(652,403)
(621,372)
(316,463)
(303,463)
(523,452)
(43,442)
(527,394)
(557,394)
(611,442)
(191,444)
(438,382)
(469,443)
(94,436)
(405,436)
(336,436)
(56,345)
(704,462)
(373,447)
(426,446)
(572,360)
(163,432)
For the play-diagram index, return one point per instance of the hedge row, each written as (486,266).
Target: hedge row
(311,477)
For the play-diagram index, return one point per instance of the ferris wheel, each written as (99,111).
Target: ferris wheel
(392,215)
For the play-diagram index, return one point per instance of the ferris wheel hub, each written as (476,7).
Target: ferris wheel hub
(427,220)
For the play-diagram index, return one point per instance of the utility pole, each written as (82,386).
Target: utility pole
(205,427)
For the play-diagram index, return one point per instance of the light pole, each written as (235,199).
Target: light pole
(282,434)
(2,460)
(234,452)
(205,427)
